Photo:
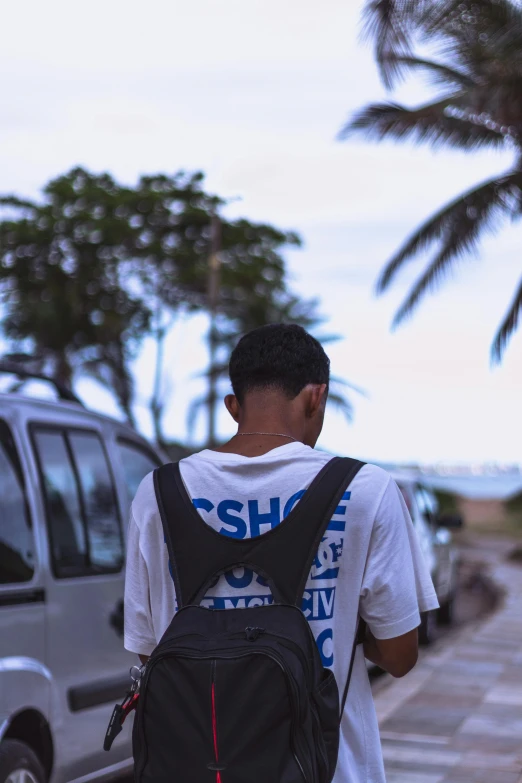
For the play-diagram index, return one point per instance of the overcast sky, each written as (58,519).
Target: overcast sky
(253,93)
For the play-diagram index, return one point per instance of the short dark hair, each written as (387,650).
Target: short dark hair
(279,356)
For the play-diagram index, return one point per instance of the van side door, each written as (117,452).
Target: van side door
(84,651)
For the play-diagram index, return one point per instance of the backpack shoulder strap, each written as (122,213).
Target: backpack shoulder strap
(290,549)
(360,633)
(283,556)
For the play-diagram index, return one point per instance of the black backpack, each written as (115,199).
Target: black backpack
(240,696)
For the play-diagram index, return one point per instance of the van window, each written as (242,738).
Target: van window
(16,538)
(83,522)
(99,501)
(137,462)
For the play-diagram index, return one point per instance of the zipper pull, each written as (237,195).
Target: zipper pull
(252,634)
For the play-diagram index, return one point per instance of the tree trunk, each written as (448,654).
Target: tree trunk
(123,382)
(213,303)
(63,371)
(127,409)
(156,404)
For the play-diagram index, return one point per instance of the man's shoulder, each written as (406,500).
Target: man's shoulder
(369,476)
(369,485)
(375,474)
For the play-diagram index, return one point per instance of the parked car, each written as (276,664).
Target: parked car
(67,477)
(440,553)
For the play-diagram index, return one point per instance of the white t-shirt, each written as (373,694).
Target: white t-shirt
(369,562)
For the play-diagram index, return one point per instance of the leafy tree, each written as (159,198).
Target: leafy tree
(64,304)
(477,65)
(97,266)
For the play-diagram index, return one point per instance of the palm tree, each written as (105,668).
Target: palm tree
(477,65)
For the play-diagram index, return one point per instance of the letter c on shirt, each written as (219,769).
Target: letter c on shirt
(324,642)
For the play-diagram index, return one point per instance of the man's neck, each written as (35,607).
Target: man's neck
(266,420)
(255,438)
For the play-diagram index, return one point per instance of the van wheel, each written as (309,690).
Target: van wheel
(19,763)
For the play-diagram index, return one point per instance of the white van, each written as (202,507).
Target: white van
(67,478)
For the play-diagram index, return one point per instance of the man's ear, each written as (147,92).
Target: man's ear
(233,407)
(317,399)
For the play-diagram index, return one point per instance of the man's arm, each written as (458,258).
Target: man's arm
(396,587)
(144,658)
(397,656)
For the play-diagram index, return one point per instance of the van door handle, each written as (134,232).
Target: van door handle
(116,618)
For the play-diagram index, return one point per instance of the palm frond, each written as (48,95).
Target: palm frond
(435,123)
(338,399)
(336,381)
(342,404)
(507,327)
(439,72)
(324,339)
(477,57)
(382,23)
(457,225)
(469,19)
(387,23)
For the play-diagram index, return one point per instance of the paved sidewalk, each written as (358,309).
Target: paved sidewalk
(457,718)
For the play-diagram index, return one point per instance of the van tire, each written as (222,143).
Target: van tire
(14,756)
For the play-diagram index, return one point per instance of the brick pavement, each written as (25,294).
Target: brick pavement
(457,717)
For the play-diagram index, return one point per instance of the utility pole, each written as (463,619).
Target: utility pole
(214,279)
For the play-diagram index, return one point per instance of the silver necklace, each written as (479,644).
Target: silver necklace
(272,434)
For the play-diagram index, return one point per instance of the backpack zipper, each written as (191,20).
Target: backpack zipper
(320,743)
(214,720)
(289,643)
(295,647)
